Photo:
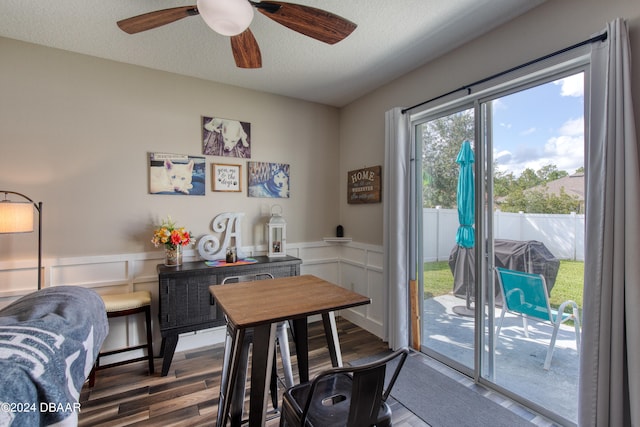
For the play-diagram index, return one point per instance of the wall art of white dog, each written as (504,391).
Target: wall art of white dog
(222,137)
(171,177)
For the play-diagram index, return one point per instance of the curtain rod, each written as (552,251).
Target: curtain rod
(602,37)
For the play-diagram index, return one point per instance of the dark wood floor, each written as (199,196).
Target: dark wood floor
(188,395)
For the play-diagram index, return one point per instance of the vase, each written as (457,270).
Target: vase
(173,256)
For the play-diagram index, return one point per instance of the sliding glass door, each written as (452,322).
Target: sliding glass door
(444,278)
(521,192)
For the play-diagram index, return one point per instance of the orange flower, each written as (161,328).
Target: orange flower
(169,235)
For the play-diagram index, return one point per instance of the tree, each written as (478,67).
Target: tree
(520,194)
(528,178)
(550,173)
(441,142)
(504,183)
(540,201)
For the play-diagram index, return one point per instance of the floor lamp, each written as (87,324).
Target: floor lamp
(17,217)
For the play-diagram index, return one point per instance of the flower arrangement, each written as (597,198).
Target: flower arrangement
(170,235)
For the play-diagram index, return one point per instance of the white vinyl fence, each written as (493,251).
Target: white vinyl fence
(563,235)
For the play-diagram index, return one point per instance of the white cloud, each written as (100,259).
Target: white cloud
(573,127)
(564,150)
(572,85)
(568,147)
(502,157)
(528,131)
(499,104)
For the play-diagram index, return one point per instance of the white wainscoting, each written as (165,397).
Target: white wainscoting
(352,265)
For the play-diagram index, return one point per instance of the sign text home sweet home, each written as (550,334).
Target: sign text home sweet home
(365,185)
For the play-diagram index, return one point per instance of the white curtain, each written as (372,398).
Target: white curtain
(397,214)
(609,390)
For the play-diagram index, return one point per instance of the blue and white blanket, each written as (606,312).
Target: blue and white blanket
(48,343)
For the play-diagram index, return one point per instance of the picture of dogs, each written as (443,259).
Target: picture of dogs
(268,180)
(176,174)
(222,137)
(171,177)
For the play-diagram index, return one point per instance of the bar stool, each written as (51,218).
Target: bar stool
(117,305)
(282,342)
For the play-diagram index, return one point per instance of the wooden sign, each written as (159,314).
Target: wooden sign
(365,185)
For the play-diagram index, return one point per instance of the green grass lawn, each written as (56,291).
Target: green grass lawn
(438,280)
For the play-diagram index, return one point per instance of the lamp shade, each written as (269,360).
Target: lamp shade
(226,17)
(16,217)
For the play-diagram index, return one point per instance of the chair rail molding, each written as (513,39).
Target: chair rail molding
(352,265)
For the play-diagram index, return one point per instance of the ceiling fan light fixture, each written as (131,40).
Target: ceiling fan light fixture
(226,17)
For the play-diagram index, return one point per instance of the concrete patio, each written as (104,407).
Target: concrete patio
(518,360)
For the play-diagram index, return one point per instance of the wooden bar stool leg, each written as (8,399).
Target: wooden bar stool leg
(119,305)
(92,377)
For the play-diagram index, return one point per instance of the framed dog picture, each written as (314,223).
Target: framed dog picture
(224,137)
(268,180)
(176,174)
(226,177)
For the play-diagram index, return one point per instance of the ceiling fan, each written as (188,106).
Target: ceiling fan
(233,17)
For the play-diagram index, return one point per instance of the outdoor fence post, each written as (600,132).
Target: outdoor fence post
(438,210)
(521,224)
(575,236)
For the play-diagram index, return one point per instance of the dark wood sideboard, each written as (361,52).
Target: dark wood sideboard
(186,304)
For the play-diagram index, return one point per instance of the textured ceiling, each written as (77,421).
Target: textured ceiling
(392,38)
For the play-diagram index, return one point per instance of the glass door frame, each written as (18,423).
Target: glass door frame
(483,169)
(415,123)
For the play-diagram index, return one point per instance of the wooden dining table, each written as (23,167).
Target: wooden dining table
(259,305)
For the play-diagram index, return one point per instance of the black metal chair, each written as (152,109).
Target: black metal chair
(347,397)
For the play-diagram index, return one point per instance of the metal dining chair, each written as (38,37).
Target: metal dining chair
(344,397)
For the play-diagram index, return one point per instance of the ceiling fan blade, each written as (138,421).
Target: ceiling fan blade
(156,19)
(246,51)
(315,23)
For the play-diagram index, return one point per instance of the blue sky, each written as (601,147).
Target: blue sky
(540,126)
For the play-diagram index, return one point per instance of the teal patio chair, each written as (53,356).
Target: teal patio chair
(525,295)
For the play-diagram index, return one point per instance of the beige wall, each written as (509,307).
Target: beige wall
(75,132)
(554,25)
